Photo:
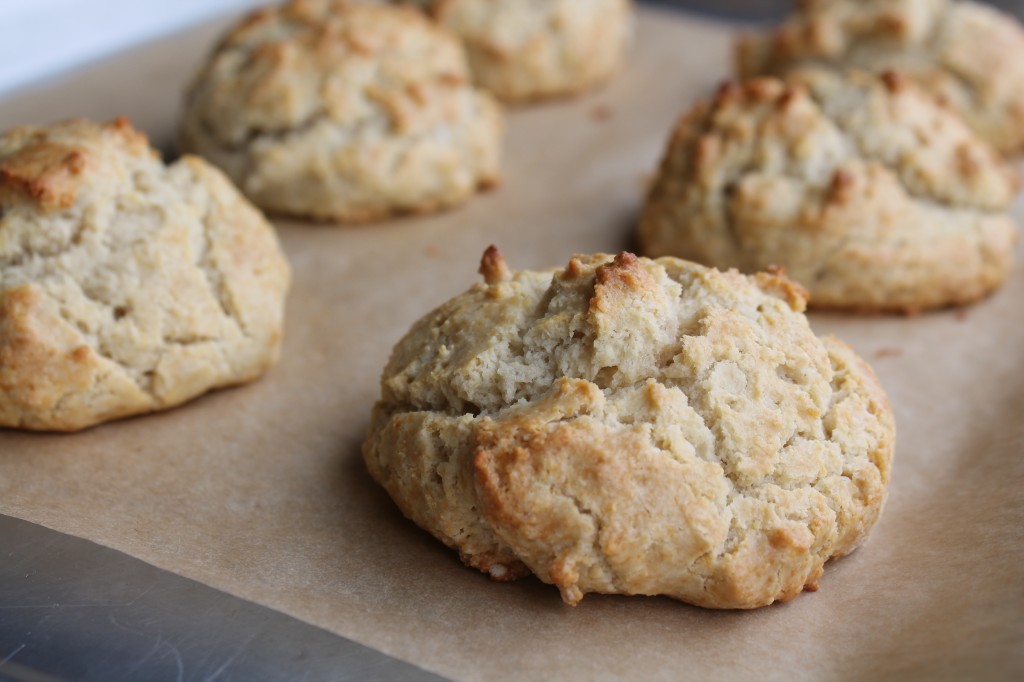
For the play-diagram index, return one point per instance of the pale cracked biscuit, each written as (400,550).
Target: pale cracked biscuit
(967,54)
(126,285)
(524,50)
(869,194)
(634,426)
(344,112)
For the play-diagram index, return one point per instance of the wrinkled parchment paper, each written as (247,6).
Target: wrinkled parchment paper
(260,491)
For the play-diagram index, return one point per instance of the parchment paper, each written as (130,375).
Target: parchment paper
(260,491)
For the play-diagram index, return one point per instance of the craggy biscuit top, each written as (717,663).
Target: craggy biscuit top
(286,67)
(808,128)
(968,54)
(344,111)
(125,285)
(632,426)
(523,51)
(46,168)
(836,177)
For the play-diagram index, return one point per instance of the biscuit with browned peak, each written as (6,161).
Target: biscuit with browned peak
(967,54)
(126,286)
(869,194)
(524,51)
(344,112)
(631,426)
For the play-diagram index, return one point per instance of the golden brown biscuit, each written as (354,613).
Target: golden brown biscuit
(631,426)
(126,286)
(524,51)
(344,112)
(967,54)
(869,194)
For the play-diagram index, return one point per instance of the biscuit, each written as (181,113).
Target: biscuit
(868,193)
(126,285)
(634,426)
(343,112)
(969,55)
(524,51)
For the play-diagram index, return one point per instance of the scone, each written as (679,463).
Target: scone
(634,426)
(524,51)
(344,112)
(969,55)
(126,285)
(870,195)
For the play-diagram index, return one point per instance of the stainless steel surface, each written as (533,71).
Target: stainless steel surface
(73,610)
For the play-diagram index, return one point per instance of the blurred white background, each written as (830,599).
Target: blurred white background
(43,37)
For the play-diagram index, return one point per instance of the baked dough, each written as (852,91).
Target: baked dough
(969,55)
(126,286)
(523,50)
(344,112)
(630,426)
(869,194)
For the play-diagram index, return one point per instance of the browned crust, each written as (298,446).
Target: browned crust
(40,367)
(49,173)
(618,279)
(774,281)
(496,565)
(493,266)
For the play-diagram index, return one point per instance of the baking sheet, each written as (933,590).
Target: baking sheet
(260,491)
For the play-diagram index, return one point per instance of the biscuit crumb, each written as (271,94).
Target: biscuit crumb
(601,113)
(432,251)
(888,353)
